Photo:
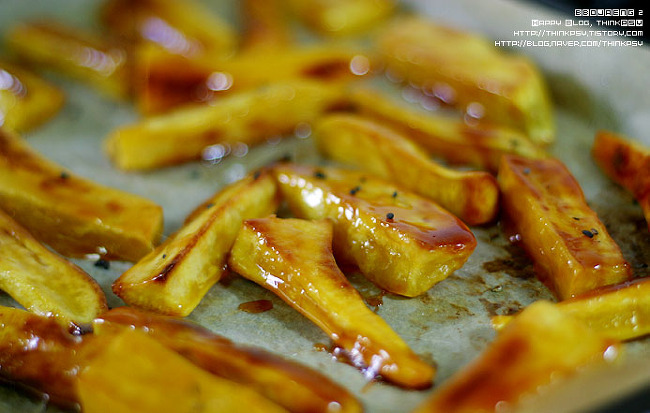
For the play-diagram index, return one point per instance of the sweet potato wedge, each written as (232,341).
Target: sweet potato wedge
(546,208)
(473,196)
(540,345)
(77,54)
(626,163)
(342,17)
(470,73)
(74,216)
(173,278)
(620,312)
(133,371)
(248,117)
(400,241)
(479,144)
(295,387)
(166,81)
(42,281)
(293,258)
(26,100)
(186,28)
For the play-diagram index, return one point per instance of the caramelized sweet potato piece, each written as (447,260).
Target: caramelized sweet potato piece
(293,258)
(540,345)
(73,215)
(471,73)
(627,163)
(26,100)
(74,53)
(400,241)
(481,144)
(266,25)
(134,372)
(342,17)
(39,353)
(186,28)
(571,248)
(293,386)
(473,196)
(173,278)
(166,81)
(248,117)
(42,281)
(621,312)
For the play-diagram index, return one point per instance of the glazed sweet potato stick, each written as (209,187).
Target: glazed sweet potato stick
(400,241)
(74,53)
(42,281)
(74,216)
(26,100)
(173,278)
(572,250)
(473,196)
(293,258)
(248,117)
(621,312)
(627,163)
(295,387)
(467,71)
(541,345)
(481,144)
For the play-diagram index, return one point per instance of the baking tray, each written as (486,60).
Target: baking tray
(592,88)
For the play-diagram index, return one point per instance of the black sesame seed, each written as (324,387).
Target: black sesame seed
(319,175)
(164,256)
(210,205)
(588,233)
(395,194)
(257,174)
(102,263)
(390,215)
(526,171)
(64,175)
(576,218)
(355,190)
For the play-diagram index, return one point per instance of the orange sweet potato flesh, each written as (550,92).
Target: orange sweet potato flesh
(293,258)
(539,346)
(569,245)
(627,163)
(73,215)
(293,386)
